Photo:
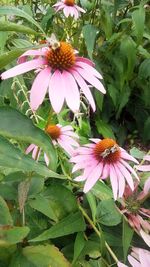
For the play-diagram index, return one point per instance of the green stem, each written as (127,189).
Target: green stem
(98,233)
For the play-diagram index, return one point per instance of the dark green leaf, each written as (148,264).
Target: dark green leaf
(78,246)
(9,26)
(5,217)
(13,235)
(138,17)
(126,237)
(89,33)
(104,129)
(102,191)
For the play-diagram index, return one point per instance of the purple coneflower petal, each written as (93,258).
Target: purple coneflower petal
(22,68)
(91,70)
(146,237)
(93,177)
(39,88)
(46,159)
(129,168)
(114,181)
(121,181)
(56,91)
(126,174)
(147,186)
(144,168)
(133,262)
(85,60)
(29,148)
(125,155)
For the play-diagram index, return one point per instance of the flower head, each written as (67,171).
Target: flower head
(69,8)
(139,258)
(61,135)
(60,71)
(137,215)
(102,159)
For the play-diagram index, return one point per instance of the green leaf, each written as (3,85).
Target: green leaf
(102,191)
(89,33)
(15,125)
(10,10)
(135,152)
(104,129)
(78,246)
(13,235)
(12,157)
(71,224)
(92,203)
(144,69)
(45,256)
(5,217)
(138,17)
(9,26)
(42,204)
(107,213)
(8,57)
(126,237)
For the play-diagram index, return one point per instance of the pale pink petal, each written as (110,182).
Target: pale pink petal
(29,148)
(85,60)
(127,175)
(91,79)
(147,157)
(114,181)
(106,171)
(84,150)
(69,133)
(23,68)
(80,9)
(69,149)
(147,186)
(76,14)
(39,88)
(81,158)
(144,168)
(93,177)
(56,91)
(134,262)
(95,140)
(71,91)
(144,256)
(91,70)
(68,140)
(80,178)
(121,264)
(84,88)
(129,168)
(46,159)
(125,155)
(121,181)
(66,128)
(39,52)
(36,153)
(66,11)
(146,237)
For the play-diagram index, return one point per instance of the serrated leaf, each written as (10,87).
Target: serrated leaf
(5,217)
(107,213)
(13,235)
(9,26)
(10,10)
(15,125)
(89,33)
(71,224)
(45,256)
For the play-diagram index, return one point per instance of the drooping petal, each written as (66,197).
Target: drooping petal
(146,237)
(120,264)
(93,177)
(66,11)
(106,171)
(71,91)
(147,157)
(147,186)
(80,9)
(46,159)
(127,175)
(91,70)
(66,128)
(82,84)
(114,181)
(69,140)
(129,168)
(29,148)
(144,168)
(121,181)
(133,262)
(91,79)
(85,60)
(144,256)
(125,155)
(39,88)
(39,52)
(56,91)
(23,68)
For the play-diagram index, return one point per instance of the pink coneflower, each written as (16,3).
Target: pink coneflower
(137,215)
(139,258)
(69,8)
(63,136)
(62,72)
(102,159)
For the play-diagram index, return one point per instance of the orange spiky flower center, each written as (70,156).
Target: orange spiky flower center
(107,150)
(54,131)
(69,2)
(62,58)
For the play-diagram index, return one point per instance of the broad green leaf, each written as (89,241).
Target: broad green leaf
(8,57)
(13,235)
(10,10)
(64,205)
(7,191)
(126,237)
(5,217)
(144,69)
(9,26)
(78,246)
(135,152)
(107,213)
(106,22)
(12,157)
(71,224)
(92,203)
(138,17)
(43,205)
(123,99)
(45,256)
(89,33)
(104,129)
(15,125)
(102,191)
